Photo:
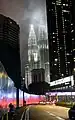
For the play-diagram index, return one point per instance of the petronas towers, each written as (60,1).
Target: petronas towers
(38,52)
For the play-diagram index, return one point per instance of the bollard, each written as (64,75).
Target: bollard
(2,117)
(7,116)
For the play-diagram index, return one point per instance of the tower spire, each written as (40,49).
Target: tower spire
(32,36)
(32,48)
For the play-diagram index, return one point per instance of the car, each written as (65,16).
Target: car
(42,103)
(71,113)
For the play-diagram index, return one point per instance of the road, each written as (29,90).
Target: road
(46,112)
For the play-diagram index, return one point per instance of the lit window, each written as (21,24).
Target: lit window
(29,58)
(63,4)
(53,3)
(55,64)
(47,46)
(67,54)
(60,48)
(10,22)
(35,57)
(68,62)
(54,51)
(66,4)
(53,40)
(72,38)
(66,11)
(53,36)
(56,60)
(72,31)
(62,74)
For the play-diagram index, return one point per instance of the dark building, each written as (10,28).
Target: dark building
(9,48)
(38,85)
(38,75)
(60,19)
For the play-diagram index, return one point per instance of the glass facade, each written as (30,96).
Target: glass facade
(9,48)
(31,99)
(7,91)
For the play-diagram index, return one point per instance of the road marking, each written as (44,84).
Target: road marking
(27,114)
(50,113)
(59,118)
(22,115)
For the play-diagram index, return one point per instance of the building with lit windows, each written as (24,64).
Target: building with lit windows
(9,32)
(61,38)
(43,49)
(43,46)
(9,48)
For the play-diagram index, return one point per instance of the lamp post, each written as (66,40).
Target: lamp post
(23,90)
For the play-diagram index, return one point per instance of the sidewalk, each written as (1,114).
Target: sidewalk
(17,115)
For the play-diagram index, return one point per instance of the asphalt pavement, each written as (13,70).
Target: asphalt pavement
(46,112)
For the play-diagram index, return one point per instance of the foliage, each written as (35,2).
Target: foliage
(65,104)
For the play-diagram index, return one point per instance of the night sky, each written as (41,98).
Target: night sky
(24,12)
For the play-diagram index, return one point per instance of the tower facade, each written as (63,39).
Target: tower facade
(33,58)
(38,52)
(43,49)
(61,38)
(10,49)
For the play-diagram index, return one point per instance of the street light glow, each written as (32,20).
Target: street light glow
(74,69)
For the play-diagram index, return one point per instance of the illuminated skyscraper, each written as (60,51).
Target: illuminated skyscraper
(61,37)
(43,49)
(33,58)
(43,46)
(10,49)
(38,52)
